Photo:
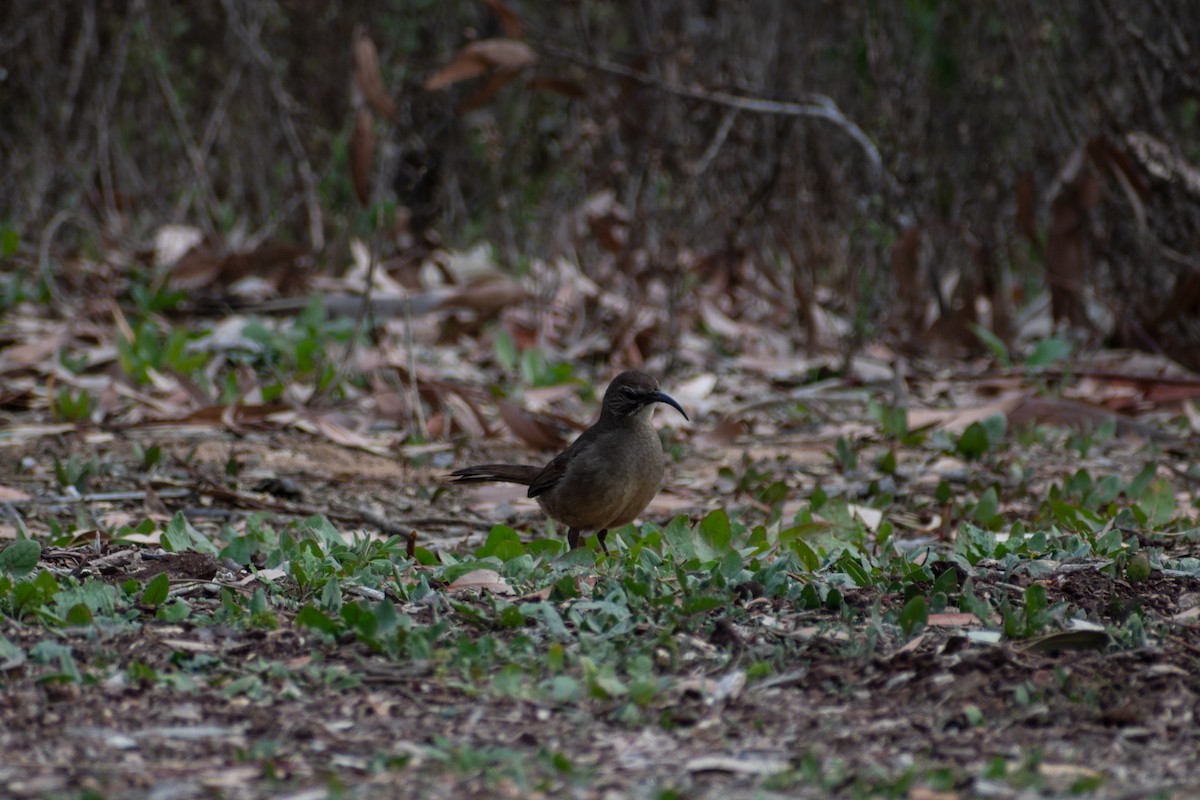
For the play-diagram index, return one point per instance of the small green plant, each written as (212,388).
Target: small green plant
(74,473)
(71,406)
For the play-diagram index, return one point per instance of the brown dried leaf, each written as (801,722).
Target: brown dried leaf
(725,432)
(1059,412)
(503,53)
(462,68)
(34,352)
(8,494)
(487,294)
(957,420)
(567,88)
(481,580)
(952,619)
(368,78)
(528,428)
(362,151)
(278,267)
(478,57)
(200,267)
(240,415)
(508,18)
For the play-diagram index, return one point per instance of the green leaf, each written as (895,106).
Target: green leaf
(695,604)
(331,596)
(180,536)
(156,590)
(947,582)
(10,654)
(79,614)
(10,240)
(995,427)
(988,507)
(20,557)
(856,571)
(1157,503)
(974,441)
(715,535)
(992,342)
(680,540)
(506,350)
(1035,599)
(791,538)
(914,613)
(1048,352)
(1141,480)
(503,542)
(176,612)
(564,689)
(45,652)
(312,617)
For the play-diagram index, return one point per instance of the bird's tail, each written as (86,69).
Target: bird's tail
(502,473)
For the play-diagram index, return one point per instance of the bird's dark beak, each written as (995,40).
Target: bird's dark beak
(663,397)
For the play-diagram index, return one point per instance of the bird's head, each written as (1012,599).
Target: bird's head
(632,392)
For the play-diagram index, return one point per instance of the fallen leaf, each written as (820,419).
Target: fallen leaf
(528,428)
(725,432)
(362,151)
(1054,643)
(9,494)
(368,78)
(952,619)
(481,580)
(738,765)
(478,57)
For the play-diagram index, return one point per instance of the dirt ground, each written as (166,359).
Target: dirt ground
(957,716)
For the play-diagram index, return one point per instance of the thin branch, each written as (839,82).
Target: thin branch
(287,105)
(817,106)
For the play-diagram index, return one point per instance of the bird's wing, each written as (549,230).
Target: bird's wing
(553,472)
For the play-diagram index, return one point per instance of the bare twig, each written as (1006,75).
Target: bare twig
(287,106)
(816,106)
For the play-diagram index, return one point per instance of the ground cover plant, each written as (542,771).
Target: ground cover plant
(839,591)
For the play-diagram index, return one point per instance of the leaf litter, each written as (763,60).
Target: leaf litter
(845,674)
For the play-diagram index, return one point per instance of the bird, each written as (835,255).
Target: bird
(606,477)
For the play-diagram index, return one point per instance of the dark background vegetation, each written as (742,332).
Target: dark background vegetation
(1021,144)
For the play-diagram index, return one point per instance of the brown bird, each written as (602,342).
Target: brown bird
(607,476)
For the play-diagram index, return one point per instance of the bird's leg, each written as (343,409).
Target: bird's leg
(600,537)
(573,538)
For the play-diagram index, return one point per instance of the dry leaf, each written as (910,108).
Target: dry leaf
(528,428)
(508,18)
(952,619)
(362,150)
(487,294)
(368,78)
(481,580)
(725,432)
(746,765)
(9,494)
(478,57)
(566,88)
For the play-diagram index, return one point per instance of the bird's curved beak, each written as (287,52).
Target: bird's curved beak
(663,397)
